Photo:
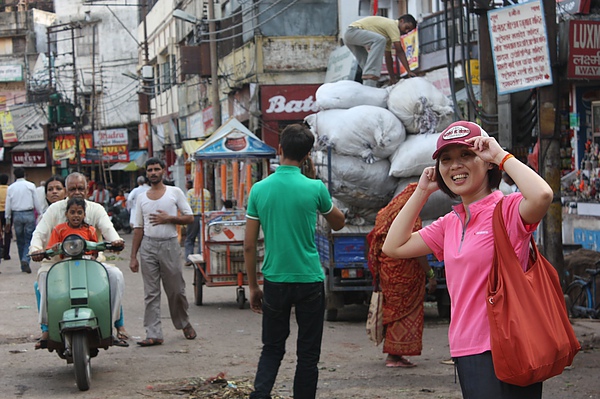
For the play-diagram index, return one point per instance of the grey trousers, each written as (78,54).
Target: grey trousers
(160,260)
(368,48)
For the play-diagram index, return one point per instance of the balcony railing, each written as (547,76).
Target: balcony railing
(462,29)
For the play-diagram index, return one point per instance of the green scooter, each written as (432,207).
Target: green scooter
(78,303)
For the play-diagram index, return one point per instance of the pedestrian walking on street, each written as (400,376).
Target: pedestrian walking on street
(155,238)
(133,195)
(5,236)
(286,205)
(372,38)
(193,230)
(469,165)
(101,195)
(21,205)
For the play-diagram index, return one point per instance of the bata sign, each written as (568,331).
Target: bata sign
(30,159)
(584,50)
(288,102)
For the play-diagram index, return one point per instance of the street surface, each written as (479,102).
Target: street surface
(229,342)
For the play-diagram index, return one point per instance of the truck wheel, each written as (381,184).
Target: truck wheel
(331,314)
(81,360)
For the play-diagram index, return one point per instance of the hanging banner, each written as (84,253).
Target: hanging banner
(410,43)
(520,47)
(9,134)
(64,147)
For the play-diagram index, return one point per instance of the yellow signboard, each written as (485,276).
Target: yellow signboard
(473,72)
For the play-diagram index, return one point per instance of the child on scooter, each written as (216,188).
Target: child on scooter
(75,214)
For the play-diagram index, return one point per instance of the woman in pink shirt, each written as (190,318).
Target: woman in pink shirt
(469,165)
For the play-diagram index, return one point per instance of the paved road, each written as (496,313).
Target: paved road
(229,342)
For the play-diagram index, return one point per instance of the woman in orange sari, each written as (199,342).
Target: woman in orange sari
(401,281)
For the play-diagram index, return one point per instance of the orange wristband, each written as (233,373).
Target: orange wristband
(506,158)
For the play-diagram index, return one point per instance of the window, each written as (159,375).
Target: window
(87,40)
(6,47)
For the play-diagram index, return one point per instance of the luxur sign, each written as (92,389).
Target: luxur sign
(30,159)
(288,102)
(584,50)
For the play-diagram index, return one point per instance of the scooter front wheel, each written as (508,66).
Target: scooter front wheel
(82,360)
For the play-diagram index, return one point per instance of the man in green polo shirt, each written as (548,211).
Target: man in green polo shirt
(286,204)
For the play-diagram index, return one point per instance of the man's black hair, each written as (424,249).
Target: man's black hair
(296,141)
(19,173)
(408,18)
(76,201)
(154,161)
(3,179)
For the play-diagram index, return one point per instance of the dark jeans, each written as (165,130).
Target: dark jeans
(278,299)
(24,224)
(4,238)
(478,380)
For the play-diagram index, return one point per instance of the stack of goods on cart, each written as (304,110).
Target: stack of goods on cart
(371,143)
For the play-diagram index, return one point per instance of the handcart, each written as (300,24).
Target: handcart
(235,157)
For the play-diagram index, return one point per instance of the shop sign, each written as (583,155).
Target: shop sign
(584,50)
(520,47)
(11,73)
(195,126)
(29,159)
(115,153)
(288,103)
(208,119)
(341,66)
(570,7)
(64,147)
(143,135)
(9,134)
(110,137)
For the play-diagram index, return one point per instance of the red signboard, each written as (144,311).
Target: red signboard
(35,158)
(584,50)
(288,103)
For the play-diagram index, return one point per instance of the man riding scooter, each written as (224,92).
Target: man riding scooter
(97,217)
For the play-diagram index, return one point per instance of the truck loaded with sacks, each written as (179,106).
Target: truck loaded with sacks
(370,144)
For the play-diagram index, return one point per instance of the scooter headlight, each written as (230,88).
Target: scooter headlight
(73,245)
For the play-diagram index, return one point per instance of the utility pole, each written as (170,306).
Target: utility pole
(549,149)
(147,89)
(214,71)
(77,132)
(489,95)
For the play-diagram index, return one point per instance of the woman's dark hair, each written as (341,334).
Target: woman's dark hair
(75,201)
(54,178)
(494,178)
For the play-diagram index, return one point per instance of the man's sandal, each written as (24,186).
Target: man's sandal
(150,342)
(189,332)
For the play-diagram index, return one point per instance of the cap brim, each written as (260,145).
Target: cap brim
(437,152)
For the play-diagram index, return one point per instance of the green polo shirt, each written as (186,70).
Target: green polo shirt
(286,204)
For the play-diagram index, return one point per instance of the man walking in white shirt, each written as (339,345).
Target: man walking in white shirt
(155,237)
(21,204)
(133,195)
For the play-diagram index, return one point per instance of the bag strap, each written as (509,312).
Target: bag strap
(504,253)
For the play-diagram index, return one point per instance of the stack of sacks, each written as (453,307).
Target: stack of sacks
(370,148)
(421,107)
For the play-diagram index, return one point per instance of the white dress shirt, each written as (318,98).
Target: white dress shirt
(21,196)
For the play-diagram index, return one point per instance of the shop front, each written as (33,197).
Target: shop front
(33,156)
(580,133)
(282,105)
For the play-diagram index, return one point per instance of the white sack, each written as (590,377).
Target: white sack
(355,182)
(414,155)
(438,204)
(420,106)
(346,94)
(356,216)
(365,131)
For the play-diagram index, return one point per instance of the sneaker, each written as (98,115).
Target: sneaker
(448,362)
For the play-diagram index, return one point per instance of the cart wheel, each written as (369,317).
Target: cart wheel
(241,297)
(198,282)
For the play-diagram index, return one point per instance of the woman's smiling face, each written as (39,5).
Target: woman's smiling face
(464,172)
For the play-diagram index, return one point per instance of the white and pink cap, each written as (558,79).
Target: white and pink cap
(458,133)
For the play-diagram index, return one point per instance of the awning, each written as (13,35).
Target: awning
(30,146)
(137,161)
(190,146)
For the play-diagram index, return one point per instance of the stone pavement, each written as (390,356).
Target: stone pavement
(588,332)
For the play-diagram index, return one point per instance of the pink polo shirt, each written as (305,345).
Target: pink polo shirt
(468,251)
